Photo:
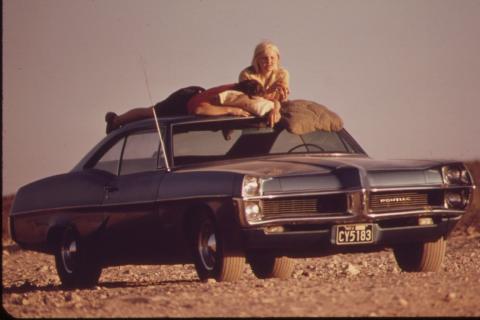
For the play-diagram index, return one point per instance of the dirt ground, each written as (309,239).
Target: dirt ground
(342,285)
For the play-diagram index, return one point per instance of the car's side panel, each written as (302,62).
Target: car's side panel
(165,234)
(72,198)
(40,231)
(186,185)
(132,216)
(69,190)
(175,239)
(156,229)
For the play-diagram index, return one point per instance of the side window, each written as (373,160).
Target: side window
(141,153)
(111,159)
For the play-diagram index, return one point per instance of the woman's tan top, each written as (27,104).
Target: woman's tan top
(278,77)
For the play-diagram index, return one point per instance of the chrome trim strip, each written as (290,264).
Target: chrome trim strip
(302,194)
(304,219)
(334,154)
(49,210)
(208,196)
(450,212)
(104,205)
(431,187)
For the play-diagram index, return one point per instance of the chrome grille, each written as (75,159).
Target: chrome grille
(285,206)
(324,204)
(398,200)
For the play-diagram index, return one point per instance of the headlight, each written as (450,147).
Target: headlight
(465,177)
(455,175)
(253,212)
(251,186)
(456,199)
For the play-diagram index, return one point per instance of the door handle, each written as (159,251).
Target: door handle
(108,188)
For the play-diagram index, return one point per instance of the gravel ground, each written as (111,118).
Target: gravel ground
(342,285)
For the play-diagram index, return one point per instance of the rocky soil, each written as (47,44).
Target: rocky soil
(342,285)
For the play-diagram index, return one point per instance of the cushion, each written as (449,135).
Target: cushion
(303,116)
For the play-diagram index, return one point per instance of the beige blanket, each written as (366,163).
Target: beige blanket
(255,105)
(303,116)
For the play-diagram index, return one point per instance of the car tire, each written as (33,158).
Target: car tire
(211,256)
(266,266)
(421,257)
(77,267)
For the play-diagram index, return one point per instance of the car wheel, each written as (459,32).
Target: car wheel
(418,257)
(267,266)
(76,267)
(212,258)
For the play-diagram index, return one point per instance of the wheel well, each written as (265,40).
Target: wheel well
(54,236)
(221,213)
(191,213)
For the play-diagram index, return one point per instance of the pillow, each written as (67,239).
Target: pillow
(303,116)
(257,105)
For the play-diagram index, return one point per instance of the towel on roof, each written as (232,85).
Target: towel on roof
(303,116)
(255,105)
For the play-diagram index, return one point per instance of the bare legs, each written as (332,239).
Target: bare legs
(133,115)
(114,121)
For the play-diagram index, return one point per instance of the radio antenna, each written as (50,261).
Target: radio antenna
(155,115)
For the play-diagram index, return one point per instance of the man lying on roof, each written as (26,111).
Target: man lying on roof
(231,99)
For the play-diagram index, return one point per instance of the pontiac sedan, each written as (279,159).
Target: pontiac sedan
(221,192)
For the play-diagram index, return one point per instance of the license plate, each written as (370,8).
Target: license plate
(354,233)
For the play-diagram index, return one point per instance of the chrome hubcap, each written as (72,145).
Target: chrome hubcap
(69,255)
(207,245)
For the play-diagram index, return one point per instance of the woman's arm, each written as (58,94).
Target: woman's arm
(209,109)
(274,115)
(279,92)
(280,89)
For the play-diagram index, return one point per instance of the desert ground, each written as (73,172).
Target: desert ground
(362,284)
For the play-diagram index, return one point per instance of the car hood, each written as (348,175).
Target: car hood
(316,173)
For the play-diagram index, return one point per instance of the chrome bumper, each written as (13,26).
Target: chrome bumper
(311,242)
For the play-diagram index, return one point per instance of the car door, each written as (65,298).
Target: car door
(130,198)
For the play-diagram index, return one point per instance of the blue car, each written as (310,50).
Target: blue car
(223,192)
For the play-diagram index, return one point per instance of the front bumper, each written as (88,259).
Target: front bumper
(313,242)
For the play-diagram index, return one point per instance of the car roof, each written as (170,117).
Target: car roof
(165,121)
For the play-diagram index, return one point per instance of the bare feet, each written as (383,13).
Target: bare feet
(109,119)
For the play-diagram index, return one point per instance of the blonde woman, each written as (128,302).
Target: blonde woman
(266,69)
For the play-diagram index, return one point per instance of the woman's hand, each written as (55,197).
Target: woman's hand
(281,91)
(277,92)
(274,115)
(271,96)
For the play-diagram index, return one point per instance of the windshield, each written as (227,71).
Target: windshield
(200,142)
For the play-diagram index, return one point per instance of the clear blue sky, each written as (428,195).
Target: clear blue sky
(403,74)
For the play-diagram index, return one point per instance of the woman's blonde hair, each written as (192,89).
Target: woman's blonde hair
(260,49)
